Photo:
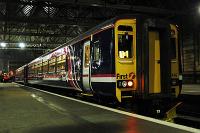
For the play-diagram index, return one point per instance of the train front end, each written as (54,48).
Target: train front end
(125,58)
(147,60)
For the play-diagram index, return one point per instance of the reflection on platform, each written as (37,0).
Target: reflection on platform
(25,110)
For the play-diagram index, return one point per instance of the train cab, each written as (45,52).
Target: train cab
(125,58)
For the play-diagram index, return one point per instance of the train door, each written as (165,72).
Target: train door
(154,62)
(125,58)
(25,74)
(86,66)
(176,76)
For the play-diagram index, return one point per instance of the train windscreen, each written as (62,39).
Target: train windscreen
(125,42)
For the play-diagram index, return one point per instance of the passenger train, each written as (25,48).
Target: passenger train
(129,57)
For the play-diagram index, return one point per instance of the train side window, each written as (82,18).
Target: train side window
(52,65)
(173,47)
(125,48)
(45,67)
(39,68)
(61,63)
(35,69)
(87,56)
(51,68)
(102,45)
(97,53)
(32,70)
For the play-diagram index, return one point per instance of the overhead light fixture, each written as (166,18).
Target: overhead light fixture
(199,9)
(95,5)
(22,45)
(3,44)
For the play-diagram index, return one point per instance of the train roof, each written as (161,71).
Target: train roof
(89,32)
(85,34)
(21,68)
(97,28)
(93,30)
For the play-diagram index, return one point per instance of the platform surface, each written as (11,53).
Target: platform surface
(24,110)
(191,89)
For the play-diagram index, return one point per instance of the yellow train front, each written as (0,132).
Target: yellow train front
(147,59)
(133,58)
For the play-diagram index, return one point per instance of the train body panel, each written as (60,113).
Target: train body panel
(176,77)
(124,58)
(102,62)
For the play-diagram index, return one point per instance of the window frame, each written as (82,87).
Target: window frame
(87,64)
(132,44)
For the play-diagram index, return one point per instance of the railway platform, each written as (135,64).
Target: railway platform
(188,113)
(191,89)
(28,110)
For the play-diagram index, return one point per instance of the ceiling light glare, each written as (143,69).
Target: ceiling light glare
(3,44)
(199,9)
(21,45)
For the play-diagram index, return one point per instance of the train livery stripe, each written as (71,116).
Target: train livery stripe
(100,75)
(103,75)
(109,78)
(93,79)
(103,79)
(85,75)
(55,79)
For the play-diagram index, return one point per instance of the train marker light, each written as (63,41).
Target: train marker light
(124,83)
(3,44)
(130,83)
(22,45)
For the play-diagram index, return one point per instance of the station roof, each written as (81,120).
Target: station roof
(45,24)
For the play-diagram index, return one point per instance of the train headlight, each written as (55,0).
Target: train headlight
(130,83)
(124,83)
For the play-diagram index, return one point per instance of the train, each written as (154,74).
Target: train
(6,77)
(126,58)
